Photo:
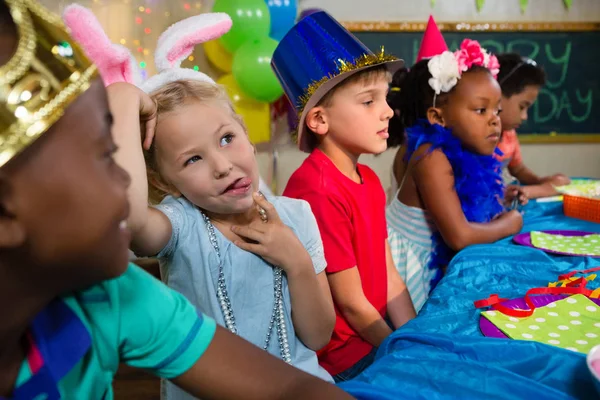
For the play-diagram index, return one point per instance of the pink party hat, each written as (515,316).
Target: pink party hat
(433,42)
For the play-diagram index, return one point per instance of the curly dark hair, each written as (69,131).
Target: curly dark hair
(516,73)
(411,96)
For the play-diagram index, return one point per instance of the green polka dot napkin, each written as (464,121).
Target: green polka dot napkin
(588,245)
(581,187)
(572,323)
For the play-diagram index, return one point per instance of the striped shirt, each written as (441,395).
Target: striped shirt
(409,233)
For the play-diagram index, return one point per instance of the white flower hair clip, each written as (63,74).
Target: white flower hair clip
(447,68)
(444,71)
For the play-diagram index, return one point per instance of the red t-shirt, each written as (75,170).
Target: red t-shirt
(351,219)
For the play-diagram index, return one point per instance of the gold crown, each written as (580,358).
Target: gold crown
(46,74)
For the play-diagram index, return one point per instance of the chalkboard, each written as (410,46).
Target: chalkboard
(567,109)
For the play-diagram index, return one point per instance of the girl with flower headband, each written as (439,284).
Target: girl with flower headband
(447,107)
(254,264)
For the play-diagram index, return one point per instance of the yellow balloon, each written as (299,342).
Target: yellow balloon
(256,115)
(218,56)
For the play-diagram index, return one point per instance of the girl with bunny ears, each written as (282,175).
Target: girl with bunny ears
(447,107)
(253,263)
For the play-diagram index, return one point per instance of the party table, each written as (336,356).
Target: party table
(442,354)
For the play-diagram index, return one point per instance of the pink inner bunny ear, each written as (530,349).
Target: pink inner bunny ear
(178,42)
(85,28)
(113,61)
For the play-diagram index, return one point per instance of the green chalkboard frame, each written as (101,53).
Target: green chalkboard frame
(385,26)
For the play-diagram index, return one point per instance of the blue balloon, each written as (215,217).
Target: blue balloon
(283,16)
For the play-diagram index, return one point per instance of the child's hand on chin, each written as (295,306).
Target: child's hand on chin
(268,237)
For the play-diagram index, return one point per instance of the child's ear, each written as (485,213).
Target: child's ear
(317,121)
(12,230)
(435,116)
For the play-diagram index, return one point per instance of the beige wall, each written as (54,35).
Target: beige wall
(572,159)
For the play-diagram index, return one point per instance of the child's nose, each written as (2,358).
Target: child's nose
(388,113)
(221,167)
(495,120)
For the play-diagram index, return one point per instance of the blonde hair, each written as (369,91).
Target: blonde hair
(365,77)
(168,99)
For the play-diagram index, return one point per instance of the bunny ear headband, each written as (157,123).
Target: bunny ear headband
(117,64)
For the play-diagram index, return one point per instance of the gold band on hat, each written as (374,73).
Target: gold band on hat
(44,76)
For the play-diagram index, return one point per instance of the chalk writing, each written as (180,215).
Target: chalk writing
(572,87)
(554,102)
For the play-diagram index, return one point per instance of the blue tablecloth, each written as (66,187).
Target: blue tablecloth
(441,354)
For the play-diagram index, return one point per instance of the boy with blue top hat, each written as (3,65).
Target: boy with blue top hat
(71,307)
(339,89)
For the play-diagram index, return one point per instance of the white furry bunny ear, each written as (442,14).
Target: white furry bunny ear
(115,62)
(178,42)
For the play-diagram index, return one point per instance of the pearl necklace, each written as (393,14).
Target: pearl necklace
(278,314)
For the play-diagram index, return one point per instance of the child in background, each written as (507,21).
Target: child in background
(254,264)
(343,113)
(521,79)
(72,307)
(449,194)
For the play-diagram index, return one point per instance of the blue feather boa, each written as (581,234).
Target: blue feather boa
(477,181)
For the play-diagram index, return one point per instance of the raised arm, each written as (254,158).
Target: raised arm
(151,229)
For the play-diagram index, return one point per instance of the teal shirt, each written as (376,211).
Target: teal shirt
(79,340)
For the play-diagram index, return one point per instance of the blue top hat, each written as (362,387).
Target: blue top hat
(316,55)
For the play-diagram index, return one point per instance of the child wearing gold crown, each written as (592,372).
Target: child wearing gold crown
(340,96)
(72,307)
(253,263)
(450,191)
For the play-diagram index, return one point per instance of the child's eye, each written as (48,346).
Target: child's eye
(480,111)
(368,102)
(499,111)
(225,140)
(192,160)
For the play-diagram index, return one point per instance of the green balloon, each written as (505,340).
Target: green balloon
(251,19)
(252,70)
